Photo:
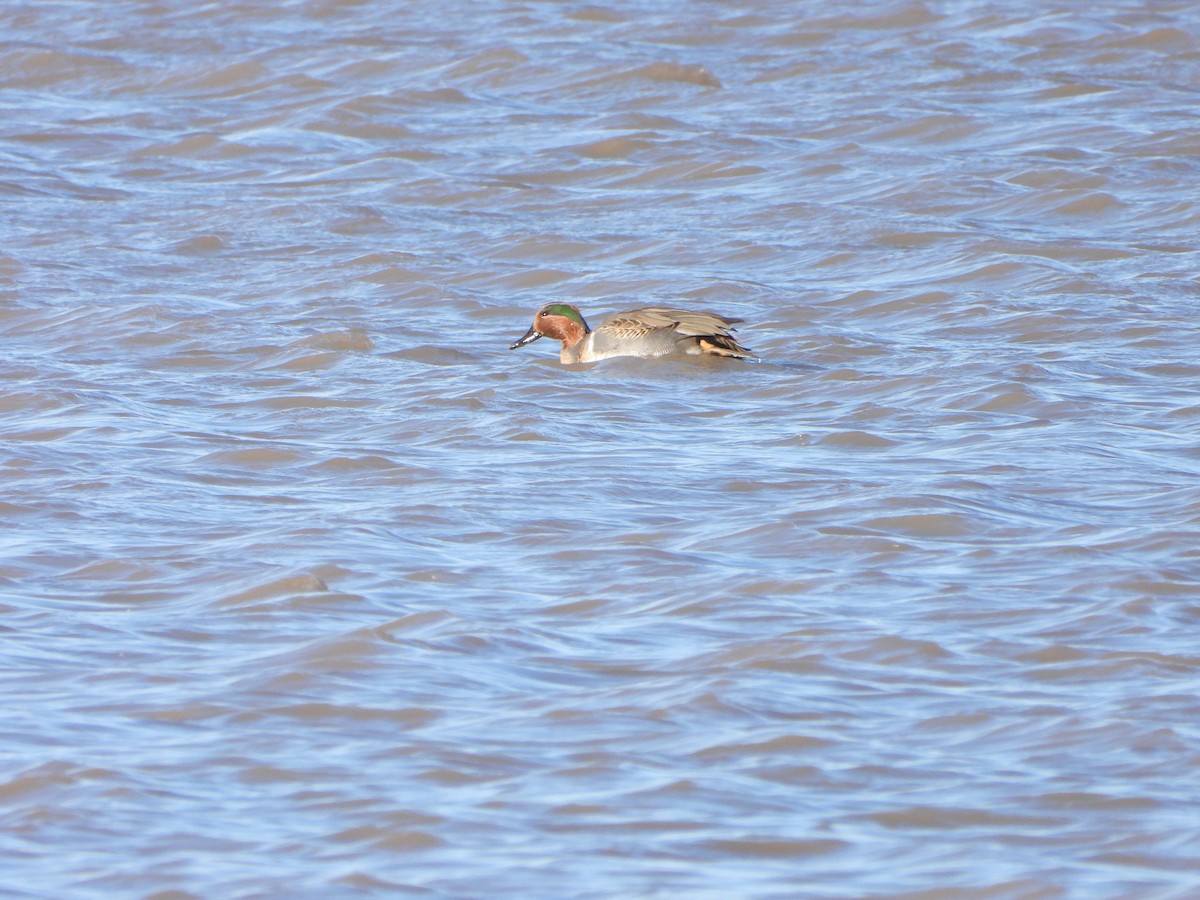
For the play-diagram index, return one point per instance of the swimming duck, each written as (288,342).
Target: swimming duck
(648,332)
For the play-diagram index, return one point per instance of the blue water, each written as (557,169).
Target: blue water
(310,586)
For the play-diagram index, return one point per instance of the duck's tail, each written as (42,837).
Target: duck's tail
(723,345)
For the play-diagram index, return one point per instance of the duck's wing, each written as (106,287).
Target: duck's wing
(638,323)
(702,332)
(658,330)
(682,321)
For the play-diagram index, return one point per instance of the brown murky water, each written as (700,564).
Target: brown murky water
(311,587)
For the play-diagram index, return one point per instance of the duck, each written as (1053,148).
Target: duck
(648,332)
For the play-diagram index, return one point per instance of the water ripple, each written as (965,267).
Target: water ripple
(310,584)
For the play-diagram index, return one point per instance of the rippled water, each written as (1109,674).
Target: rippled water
(310,586)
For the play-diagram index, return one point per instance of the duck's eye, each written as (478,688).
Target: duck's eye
(544,313)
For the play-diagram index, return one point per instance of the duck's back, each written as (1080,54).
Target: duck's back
(638,332)
(658,331)
(686,322)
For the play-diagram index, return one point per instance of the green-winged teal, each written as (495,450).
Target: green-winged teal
(653,331)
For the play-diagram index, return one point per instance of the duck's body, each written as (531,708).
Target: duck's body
(649,332)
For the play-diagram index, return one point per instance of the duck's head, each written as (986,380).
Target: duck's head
(560,321)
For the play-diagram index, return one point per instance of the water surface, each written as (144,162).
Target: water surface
(311,587)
